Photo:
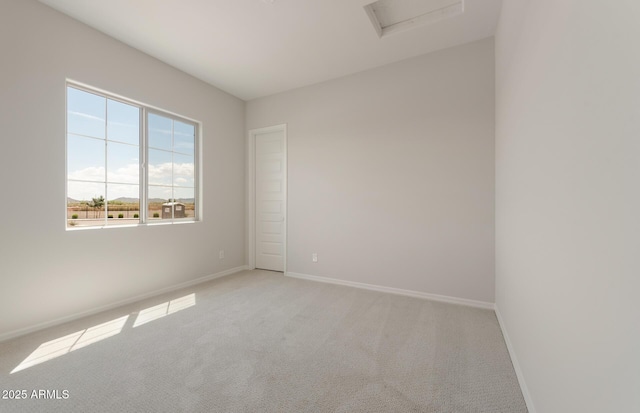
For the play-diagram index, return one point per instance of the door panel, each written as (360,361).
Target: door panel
(270,200)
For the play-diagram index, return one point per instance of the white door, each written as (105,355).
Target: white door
(270,198)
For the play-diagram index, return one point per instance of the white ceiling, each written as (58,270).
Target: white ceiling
(254,48)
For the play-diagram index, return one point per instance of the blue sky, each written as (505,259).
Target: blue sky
(171,150)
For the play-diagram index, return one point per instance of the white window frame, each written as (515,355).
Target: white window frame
(145,110)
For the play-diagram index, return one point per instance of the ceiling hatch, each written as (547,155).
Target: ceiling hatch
(392,16)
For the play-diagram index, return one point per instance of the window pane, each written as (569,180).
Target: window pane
(160,129)
(85,158)
(123,163)
(85,113)
(123,122)
(160,167)
(185,196)
(158,196)
(183,138)
(123,205)
(85,204)
(183,170)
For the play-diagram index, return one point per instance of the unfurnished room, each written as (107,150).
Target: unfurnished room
(320,206)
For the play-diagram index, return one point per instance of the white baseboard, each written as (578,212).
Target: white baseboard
(516,364)
(72,317)
(398,291)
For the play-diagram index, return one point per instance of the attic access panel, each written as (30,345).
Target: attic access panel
(392,16)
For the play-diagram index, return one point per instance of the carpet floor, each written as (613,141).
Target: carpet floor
(257,341)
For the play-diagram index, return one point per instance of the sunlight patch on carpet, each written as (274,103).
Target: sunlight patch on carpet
(164,309)
(63,345)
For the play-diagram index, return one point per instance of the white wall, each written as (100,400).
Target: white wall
(568,201)
(47,272)
(391,173)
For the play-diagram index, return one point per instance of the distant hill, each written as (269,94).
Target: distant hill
(126,200)
(155,200)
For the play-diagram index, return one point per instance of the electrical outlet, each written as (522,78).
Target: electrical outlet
(221,254)
(314,257)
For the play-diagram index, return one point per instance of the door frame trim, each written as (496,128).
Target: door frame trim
(251,192)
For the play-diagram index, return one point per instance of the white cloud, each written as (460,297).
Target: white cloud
(128,174)
(184,169)
(85,115)
(161,173)
(91,173)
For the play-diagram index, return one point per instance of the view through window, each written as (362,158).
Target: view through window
(126,163)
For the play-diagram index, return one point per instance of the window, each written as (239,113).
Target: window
(127,163)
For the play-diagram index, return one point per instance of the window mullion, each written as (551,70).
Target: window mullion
(173,167)
(144,167)
(106,160)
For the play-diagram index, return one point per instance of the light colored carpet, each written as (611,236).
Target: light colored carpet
(257,341)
